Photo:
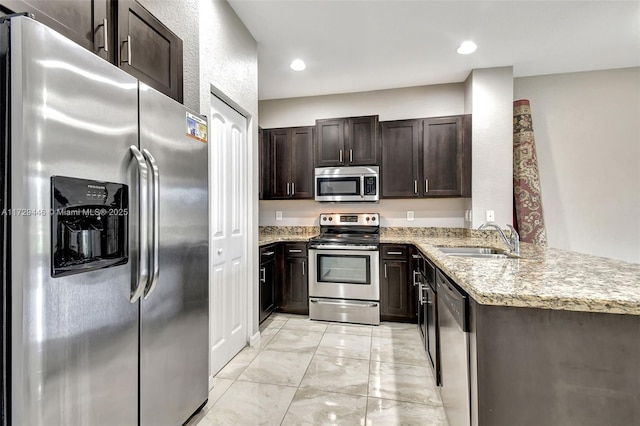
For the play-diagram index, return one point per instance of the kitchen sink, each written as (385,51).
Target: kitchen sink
(474,252)
(480,255)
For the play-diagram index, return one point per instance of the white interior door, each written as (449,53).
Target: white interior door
(228,293)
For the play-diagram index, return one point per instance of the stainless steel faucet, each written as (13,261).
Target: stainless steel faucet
(514,239)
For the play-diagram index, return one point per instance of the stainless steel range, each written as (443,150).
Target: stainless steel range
(344,282)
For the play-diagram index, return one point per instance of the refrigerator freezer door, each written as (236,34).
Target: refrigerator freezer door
(174,316)
(74,338)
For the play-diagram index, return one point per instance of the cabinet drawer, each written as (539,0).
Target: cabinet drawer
(295,249)
(267,253)
(393,251)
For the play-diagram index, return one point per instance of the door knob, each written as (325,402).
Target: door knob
(219,251)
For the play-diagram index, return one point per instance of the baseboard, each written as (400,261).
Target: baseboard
(253,340)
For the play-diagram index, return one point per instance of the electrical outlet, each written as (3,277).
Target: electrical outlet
(490,216)
(278,215)
(410,215)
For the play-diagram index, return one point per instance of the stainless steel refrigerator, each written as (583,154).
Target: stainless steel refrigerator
(104,232)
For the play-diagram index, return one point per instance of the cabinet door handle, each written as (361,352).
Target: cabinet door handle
(351,156)
(105,33)
(341,156)
(288,188)
(424,297)
(385,270)
(415,186)
(303,267)
(394,252)
(415,281)
(295,251)
(426,185)
(128,41)
(268,253)
(416,256)
(293,189)
(263,278)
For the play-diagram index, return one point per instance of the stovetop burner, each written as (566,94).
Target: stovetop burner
(357,229)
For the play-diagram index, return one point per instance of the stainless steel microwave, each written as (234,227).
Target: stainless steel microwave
(347,183)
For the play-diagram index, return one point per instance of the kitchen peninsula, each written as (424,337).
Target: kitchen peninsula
(554,335)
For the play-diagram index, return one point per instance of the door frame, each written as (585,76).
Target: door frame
(252,318)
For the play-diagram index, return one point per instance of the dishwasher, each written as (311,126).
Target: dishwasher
(454,351)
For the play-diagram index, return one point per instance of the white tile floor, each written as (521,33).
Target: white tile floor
(305,372)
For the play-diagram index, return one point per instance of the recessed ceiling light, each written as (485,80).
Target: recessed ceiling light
(467,47)
(298,65)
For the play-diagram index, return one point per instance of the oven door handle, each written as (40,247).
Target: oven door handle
(342,247)
(342,303)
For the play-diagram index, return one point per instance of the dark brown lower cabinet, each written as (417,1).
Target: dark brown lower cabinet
(267,280)
(295,285)
(533,367)
(396,289)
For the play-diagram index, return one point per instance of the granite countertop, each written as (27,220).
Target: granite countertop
(281,234)
(541,277)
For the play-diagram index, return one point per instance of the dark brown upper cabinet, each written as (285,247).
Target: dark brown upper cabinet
(347,142)
(289,171)
(446,156)
(148,50)
(264,164)
(400,168)
(122,32)
(86,22)
(428,157)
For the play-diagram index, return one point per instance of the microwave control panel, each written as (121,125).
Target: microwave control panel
(370,186)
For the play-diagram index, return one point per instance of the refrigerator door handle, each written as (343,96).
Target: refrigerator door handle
(155,223)
(143,249)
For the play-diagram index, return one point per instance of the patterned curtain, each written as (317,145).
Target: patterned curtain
(526,179)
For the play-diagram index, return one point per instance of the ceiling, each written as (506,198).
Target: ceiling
(363,45)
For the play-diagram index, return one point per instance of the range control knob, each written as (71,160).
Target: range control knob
(324,219)
(330,219)
(373,218)
(367,218)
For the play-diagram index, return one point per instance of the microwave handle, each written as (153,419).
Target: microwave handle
(361,186)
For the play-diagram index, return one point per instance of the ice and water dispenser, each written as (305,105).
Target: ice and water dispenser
(88,226)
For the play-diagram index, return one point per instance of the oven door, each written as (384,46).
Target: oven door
(344,274)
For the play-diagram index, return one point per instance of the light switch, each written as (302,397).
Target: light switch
(410,215)
(278,215)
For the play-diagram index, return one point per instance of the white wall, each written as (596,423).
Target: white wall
(220,55)
(489,95)
(228,57)
(446,212)
(394,104)
(229,68)
(587,131)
